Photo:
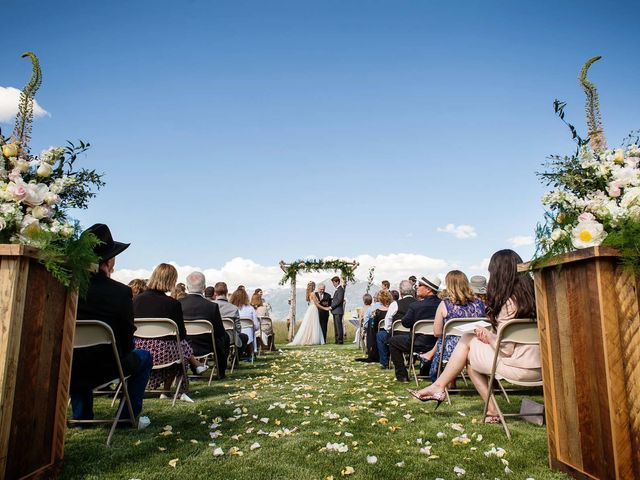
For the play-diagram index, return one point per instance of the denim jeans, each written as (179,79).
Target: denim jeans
(82,400)
(383,349)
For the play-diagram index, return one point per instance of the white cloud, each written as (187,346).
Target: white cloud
(521,240)
(482,267)
(459,231)
(9,100)
(243,271)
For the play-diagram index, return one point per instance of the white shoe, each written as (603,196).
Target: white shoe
(163,396)
(201,368)
(185,398)
(143,422)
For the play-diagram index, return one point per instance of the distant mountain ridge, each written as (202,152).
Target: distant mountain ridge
(278,299)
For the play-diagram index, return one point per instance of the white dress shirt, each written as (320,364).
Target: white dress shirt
(388,318)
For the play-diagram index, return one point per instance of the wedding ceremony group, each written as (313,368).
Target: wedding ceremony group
(319,240)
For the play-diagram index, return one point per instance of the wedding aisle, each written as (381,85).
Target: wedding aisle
(310,413)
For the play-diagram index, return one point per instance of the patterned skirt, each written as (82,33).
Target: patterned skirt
(164,351)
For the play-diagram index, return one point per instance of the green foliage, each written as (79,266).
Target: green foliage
(71,261)
(346,269)
(370,278)
(626,240)
(24,118)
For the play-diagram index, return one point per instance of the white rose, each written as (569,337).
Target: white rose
(44,170)
(21,165)
(631,197)
(613,189)
(586,217)
(626,176)
(588,234)
(67,230)
(40,212)
(3,224)
(618,156)
(557,234)
(35,194)
(51,198)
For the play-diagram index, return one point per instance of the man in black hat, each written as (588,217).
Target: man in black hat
(110,302)
(425,309)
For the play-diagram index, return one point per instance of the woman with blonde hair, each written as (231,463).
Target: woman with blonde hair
(240,298)
(310,332)
(137,286)
(460,302)
(155,303)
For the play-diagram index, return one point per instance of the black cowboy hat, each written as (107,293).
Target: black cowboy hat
(108,247)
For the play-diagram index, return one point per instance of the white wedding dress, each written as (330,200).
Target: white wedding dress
(310,332)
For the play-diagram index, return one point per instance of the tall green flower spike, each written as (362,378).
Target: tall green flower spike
(24,118)
(592,108)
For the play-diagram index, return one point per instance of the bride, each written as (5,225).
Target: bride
(310,332)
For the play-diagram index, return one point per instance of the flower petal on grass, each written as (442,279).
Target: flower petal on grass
(173,463)
(346,471)
(254,446)
(459,471)
(372,459)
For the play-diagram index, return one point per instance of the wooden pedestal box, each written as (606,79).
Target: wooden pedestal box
(37,320)
(590,342)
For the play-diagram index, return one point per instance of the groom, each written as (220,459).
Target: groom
(325,301)
(337,309)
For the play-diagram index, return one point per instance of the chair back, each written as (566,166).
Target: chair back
(155,328)
(520,330)
(198,327)
(246,323)
(90,333)
(423,327)
(229,324)
(397,326)
(266,323)
(381,324)
(450,325)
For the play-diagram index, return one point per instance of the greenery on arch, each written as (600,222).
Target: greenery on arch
(346,269)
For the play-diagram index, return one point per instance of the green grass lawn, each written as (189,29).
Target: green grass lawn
(287,407)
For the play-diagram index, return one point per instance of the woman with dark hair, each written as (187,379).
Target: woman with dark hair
(385,298)
(509,295)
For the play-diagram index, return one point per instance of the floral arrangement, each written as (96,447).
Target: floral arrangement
(346,269)
(37,190)
(596,191)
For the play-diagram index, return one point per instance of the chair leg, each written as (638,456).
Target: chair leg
(113,401)
(504,392)
(175,397)
(115,423)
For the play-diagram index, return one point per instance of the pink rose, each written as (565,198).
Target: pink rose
(614,190)
(586,217)
(17,191)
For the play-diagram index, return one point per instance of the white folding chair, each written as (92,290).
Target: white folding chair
(421,327)
(397,327)
(152,328)
(91,333)
(521,331)
(204,327)
(248,323)
(230,327)
(266,328)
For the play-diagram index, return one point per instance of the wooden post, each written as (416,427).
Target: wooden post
(292,310)
(589,323)
(37,322)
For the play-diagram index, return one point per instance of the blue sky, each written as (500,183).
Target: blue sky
(276,130)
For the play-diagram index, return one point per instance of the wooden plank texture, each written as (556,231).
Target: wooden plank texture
(589,324)
(38,317)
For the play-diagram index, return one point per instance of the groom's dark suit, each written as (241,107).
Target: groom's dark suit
(337,309)
(325,301)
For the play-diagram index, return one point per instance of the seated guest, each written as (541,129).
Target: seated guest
(424,309)
(384,296)
(240,299)
(256,298)
(368,314)
(367,300)
(155,303)
(262,310)
(137,286)
(196,307)
(230,311)
(510,295)
(386,286)
(459,303)
(209,294)
(110,302)
(479,287)
(395,294)
(397,310)
(179,291)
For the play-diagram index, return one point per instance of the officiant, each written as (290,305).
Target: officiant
(325,300)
